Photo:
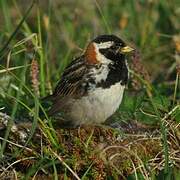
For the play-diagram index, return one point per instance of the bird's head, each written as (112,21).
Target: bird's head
(105,49)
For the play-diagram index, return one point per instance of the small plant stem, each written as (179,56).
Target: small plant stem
(175,89)
(42,74)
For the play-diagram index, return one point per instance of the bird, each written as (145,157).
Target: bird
(91,87)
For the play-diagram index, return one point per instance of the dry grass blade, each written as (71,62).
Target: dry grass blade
(61,160)
(18,145)
(15,162)
(12,68)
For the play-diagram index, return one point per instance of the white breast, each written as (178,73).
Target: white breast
(98,105)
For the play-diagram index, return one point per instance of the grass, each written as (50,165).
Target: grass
(38,40)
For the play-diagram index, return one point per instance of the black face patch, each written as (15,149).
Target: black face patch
(109,53)
(112,51)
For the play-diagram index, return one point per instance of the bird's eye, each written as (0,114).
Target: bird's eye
(114,47)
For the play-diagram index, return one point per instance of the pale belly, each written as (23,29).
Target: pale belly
(97,106)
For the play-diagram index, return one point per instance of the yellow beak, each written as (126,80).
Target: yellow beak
(126,49)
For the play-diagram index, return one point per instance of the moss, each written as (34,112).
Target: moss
(97,152)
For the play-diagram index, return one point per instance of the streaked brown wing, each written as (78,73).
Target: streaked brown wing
(71,80)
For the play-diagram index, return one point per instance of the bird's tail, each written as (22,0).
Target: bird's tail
(47,98)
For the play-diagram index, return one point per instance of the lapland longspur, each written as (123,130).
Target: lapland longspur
(92,86)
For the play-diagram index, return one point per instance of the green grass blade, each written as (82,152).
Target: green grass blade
(5,47)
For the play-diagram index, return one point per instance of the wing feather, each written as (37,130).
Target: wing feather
(71,80)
